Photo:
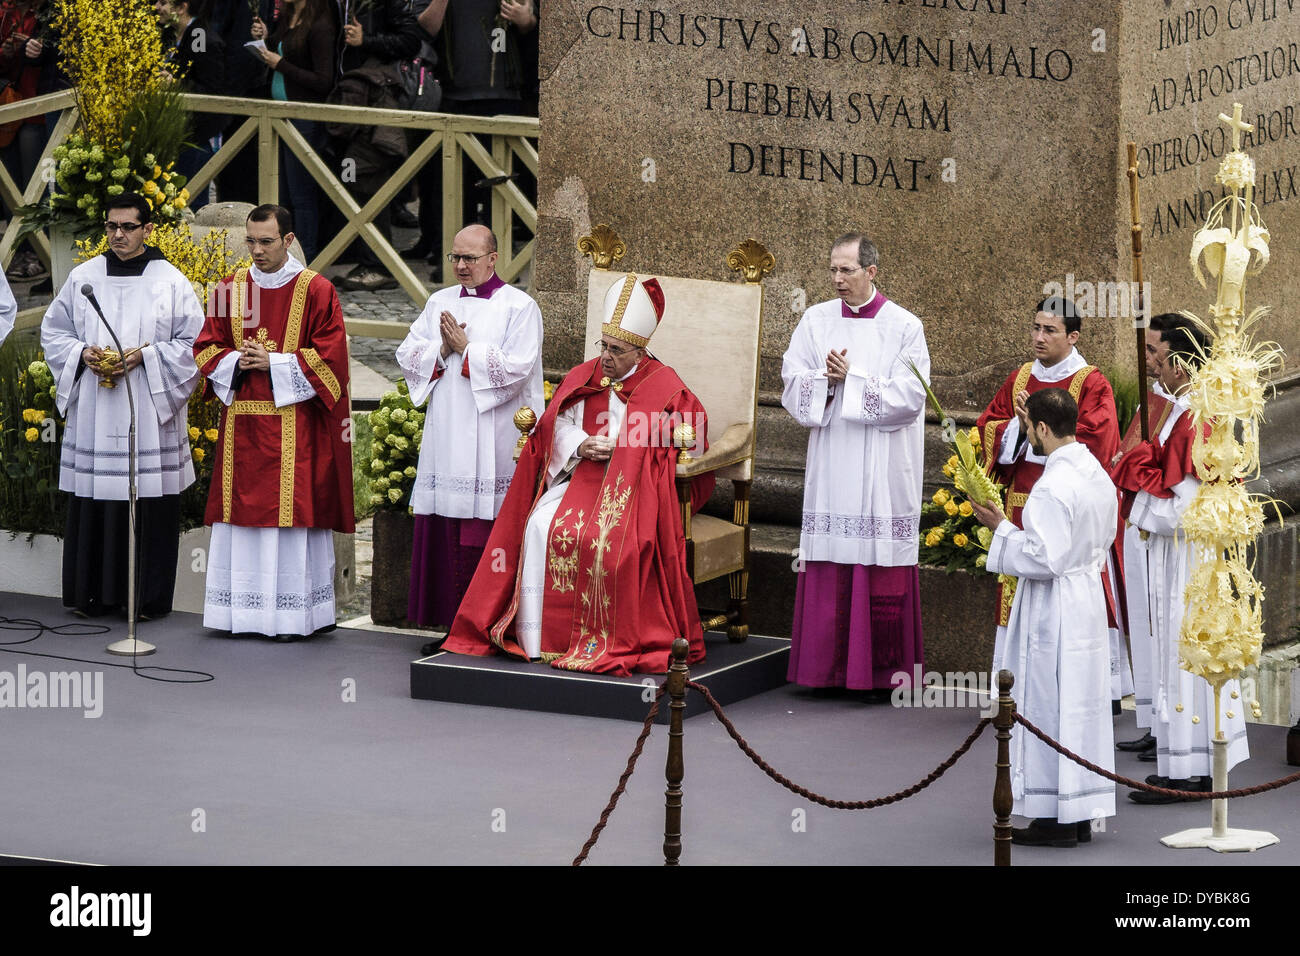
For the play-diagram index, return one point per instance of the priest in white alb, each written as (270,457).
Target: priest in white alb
(156,315)
(1158,483)
(1057,644)
(475,354)
(275,353)
(849,380)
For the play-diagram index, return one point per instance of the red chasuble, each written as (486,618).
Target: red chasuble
(1097,428)
(617,590)
(287,467)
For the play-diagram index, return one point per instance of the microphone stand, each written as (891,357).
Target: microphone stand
(130,646)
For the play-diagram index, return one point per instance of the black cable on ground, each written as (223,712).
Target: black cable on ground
(89,630)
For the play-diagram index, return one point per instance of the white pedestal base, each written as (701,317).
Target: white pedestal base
(1232,841)
(130,648)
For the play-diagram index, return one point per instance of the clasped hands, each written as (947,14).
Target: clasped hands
(596,448)
(93,355)
(252,355)
(837,365)
(454,338)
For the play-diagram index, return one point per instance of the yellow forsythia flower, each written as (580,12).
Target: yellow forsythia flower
(966,509)
(949,470)
(950,507)
(32,434)
(194,433)
(960,540)
(210,434)
(975,436)
(941,496)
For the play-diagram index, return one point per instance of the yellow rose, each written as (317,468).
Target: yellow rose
(194,433)
(966,509)
(32,434)
(950,507)
(960,540)
(198,454)
(931,540)
(210,434)
(150,188)
(938,534)
(941,496)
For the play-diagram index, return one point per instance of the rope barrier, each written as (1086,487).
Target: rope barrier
(793,787)
(1150,788)
(622,781)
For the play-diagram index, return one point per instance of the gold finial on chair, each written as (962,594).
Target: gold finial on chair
(603,245)
(525,419)
(751,258)
(683,438)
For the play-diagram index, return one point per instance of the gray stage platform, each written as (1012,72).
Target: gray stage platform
(280,769)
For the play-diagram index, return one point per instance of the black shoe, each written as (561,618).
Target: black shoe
(1047,832)
(1147,756)
(1145,742)
(286,638)
(1158,781)
(42,287)
(432,646)
(1116,708)
(1145,797)
(1083,831)
(404,218)
(421,250)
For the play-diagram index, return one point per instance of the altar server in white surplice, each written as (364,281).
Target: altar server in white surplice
(156,315)
(849,380)
(1158,483)
(8,309)
(475,354)
(1057,643)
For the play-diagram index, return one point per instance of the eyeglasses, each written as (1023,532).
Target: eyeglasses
(126,228)
(845,272)
(454,257)
(262,243)
(613,350)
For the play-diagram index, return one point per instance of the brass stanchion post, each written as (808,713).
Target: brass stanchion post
(675,768)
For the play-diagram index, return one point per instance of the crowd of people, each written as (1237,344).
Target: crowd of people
(474,57)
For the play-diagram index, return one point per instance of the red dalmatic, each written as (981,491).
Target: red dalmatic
(617,592)
(287,467)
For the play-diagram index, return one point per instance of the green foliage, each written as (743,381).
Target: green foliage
(31,435)
(1125,386)
(361,439)
(204,423)
(396,429)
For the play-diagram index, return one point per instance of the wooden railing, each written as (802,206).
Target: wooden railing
(452,137)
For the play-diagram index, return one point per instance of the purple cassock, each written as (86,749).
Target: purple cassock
(444,554)
(855,625)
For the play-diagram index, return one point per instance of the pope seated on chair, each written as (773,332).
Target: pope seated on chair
(586,567)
